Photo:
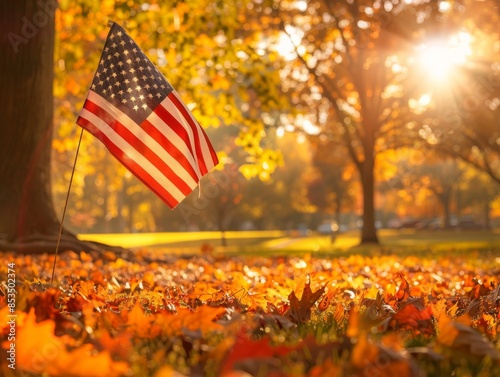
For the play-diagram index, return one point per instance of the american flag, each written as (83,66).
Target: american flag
(143,122)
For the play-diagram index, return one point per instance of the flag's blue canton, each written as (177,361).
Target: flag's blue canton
(127,79)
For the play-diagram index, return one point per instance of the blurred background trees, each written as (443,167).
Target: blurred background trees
(348,81)
(365,113)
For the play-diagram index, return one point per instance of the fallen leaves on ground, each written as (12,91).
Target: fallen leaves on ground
(254,316)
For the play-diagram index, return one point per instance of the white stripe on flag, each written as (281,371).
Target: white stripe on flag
(143,136)
(174,138)
(175,112)
(207,156)
(133,154)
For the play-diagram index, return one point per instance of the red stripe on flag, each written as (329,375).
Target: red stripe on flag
(170,147)
(214,160)
(194,127)
(174,124)
(139,146)
(131,165)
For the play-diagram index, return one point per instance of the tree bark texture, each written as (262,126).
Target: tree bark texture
(369,231)
(26,108)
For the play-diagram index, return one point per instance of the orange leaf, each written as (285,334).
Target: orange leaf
(168,371)
(202,319)
(354,327)
(119,345)
(39,351)
(140,324)
(403,289)
(411,316)
(373,359)
(327,369)
(85,362)
(364,353)
(326,300)
(247,349)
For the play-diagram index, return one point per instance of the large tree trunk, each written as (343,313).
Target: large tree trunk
(26,108)
(368,232)
(445,201)
(28,222)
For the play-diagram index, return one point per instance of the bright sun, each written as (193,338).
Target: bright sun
(438,58)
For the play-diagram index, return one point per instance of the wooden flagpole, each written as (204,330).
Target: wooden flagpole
(66,206)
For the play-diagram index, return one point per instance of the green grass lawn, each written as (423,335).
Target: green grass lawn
(278,242)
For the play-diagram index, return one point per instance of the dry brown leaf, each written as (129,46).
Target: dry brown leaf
(300,310)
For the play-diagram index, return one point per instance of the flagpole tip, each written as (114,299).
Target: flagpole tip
(110,23)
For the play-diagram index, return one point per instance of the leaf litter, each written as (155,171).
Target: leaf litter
(254,316)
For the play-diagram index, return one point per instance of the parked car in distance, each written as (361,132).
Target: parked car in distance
(469,225)
(431,224)
(328,227)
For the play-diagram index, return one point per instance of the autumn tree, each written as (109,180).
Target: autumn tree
(201,47)
(467,109)
(331,188)
(476,194)
(348,63)
(442,179)
(473,136)
(357,66)
(279,200)
(224,193)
